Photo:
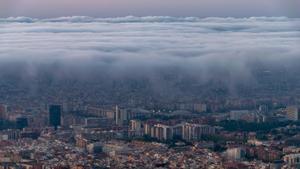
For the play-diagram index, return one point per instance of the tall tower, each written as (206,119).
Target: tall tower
(55,115)
(120,116)
(3,111)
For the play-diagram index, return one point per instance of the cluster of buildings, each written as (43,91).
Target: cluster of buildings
(185,131)
(120,137)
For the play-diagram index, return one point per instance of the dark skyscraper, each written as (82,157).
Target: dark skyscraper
(54,115)
(21,122)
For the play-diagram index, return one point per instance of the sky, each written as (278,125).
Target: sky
(119,8)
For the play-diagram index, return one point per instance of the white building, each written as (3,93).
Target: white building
(194,132)
(136,128)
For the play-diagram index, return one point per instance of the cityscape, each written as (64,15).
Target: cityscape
(181,135)
(149,85)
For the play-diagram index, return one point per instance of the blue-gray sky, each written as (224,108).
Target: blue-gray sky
(113,8)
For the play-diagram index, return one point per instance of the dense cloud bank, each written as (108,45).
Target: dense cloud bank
(127,19)
(231,50)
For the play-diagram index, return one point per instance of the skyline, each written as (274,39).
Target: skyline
(149,84)
(114,8)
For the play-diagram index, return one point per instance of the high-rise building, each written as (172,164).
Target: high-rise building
(121,116)
(193,132)
(163,132)
(3,111)
(186,131)
(21,122)
(136,128)
(55,115)
(263,109)
(293,113)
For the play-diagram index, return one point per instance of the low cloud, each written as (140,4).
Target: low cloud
(229,50)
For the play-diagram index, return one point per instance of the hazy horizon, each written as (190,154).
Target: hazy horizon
(115,8)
